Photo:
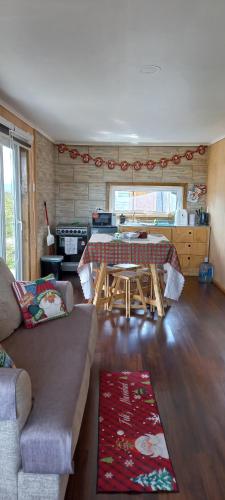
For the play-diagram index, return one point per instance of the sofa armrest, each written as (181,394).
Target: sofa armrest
(66,290)
(15,395)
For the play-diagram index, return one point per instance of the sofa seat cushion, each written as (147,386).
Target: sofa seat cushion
(55,355)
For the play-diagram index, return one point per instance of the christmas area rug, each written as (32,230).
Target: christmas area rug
(132,452)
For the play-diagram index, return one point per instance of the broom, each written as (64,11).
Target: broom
(50,237)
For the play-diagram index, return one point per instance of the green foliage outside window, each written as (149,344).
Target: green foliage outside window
(9,230)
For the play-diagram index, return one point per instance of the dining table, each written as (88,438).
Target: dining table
(153,252)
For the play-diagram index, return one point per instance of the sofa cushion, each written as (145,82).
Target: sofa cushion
(56,360)
(39,300)
(10,315)
(66,290)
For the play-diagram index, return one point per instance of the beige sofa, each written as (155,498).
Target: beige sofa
(43,398)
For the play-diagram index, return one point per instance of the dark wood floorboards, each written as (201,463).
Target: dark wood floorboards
(185,353)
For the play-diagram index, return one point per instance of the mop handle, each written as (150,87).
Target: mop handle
(46,213)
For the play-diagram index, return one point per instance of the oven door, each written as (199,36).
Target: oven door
(71,261)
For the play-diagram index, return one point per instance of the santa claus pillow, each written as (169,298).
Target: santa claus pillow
(39,300)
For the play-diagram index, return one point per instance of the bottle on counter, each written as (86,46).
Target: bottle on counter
(191,219)
(122,219)
(206,271)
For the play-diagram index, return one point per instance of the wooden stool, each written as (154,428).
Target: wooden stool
(127,277)
(110,270)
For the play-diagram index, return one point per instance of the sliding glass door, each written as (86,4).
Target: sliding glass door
(10,208)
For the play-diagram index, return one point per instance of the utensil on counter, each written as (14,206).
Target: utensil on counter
(50,236)
(202,217)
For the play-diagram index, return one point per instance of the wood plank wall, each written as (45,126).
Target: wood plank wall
(216,204)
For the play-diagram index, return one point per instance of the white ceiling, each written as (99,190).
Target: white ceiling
(72,68)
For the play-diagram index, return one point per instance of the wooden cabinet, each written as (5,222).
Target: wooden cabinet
(192,243)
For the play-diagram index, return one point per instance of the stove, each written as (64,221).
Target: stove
(77,230)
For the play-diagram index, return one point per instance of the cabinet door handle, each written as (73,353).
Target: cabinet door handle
(190,232)
(189,246)
(189,258)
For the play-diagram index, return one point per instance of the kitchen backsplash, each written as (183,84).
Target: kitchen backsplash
(80,188)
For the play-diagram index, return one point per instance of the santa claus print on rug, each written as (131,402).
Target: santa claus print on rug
(133,454)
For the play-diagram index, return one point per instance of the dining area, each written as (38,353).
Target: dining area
(131,271)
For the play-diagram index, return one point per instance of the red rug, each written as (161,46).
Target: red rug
(133,455)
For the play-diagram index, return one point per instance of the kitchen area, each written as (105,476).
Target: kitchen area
(190,241)
(81,202)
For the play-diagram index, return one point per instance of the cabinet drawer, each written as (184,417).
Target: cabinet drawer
(182,234)
(189,262)
(191,248)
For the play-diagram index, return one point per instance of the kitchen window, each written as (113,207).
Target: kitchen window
(146,200)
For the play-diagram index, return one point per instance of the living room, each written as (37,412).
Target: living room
(112,184)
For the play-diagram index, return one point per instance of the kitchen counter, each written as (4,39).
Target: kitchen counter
(149,225)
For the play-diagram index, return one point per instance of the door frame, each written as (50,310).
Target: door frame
(31,256)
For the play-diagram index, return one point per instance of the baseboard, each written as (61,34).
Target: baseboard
(222,288)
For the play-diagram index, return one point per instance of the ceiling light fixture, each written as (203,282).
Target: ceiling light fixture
(150,69)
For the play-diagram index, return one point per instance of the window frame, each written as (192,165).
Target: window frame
(112,187)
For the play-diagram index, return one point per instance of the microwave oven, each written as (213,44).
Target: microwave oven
(103,219)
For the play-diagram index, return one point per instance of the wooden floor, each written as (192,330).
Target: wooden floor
(185,353)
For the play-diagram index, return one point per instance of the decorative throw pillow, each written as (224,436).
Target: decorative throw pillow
(5,360)
(39,300)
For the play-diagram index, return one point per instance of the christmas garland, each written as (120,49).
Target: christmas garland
(137,165)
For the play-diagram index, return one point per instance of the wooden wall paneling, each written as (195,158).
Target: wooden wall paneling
(216,205)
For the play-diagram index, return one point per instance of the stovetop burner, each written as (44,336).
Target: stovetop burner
(73,224)
(72,229)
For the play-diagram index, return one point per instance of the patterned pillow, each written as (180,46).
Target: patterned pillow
(5,360)
(39,300)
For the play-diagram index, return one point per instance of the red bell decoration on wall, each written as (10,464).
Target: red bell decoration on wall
(150,164)
(111,164)
(163,162)
(201,149)
(189,155)
(74,153)
(86,158)
(98,162)
(124,165)
(176,159)
(137,165)
(62,148)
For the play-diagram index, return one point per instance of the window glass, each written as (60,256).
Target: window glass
(10,210)
(146,199)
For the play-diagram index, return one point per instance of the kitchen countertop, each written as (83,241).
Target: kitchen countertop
(158,226)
